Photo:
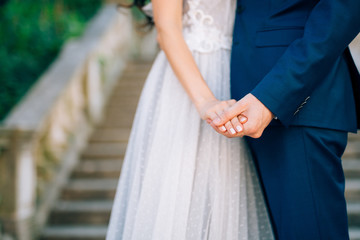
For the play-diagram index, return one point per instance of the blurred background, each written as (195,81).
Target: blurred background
(71,73)
(31,35)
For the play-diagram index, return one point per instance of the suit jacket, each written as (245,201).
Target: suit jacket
(291,55)
(355,80)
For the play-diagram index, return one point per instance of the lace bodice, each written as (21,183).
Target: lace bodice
(208,24)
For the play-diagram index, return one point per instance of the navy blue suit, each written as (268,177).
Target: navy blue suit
(292,56)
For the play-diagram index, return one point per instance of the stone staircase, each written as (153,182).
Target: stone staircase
(83,209)
(351,163)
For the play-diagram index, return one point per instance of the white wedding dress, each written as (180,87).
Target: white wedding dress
(180,179)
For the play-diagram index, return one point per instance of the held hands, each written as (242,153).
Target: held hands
(213,109)
(248,113)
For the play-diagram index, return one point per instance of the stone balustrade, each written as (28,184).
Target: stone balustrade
(42,138)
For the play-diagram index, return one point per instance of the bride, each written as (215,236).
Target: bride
(181,179)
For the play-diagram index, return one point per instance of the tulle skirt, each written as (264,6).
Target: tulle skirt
(180,179)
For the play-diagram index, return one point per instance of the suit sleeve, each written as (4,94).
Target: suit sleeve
(331,26)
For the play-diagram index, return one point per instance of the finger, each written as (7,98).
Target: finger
(230,128)
(246,127)
(222,128)
(231,102)
(229,113)
(234,126)
(237,125)
(242,119)
(211,116)
(216,128)
(250,129)
(218,112)
(226,134)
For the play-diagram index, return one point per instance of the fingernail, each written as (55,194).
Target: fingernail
(222,128)
(232,131)
(243,119)
(238,128)
(216,121)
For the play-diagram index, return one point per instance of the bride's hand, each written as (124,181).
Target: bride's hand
(229,128)
(212,109)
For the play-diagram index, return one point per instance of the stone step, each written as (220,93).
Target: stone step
(128,85)
(132,78)
(352,190)
(74,232)
(131,94)
(85,203)
(118,122)
(81,213)
(134,88)
(143,67)
(125,92)
(351,168)
(353,209)
(354,233)
(128,110)
(125,108)
(105,150)
(94,189)
(134,73)
(125,101)
(98,169)
(354,137)
(110,135)
(119,112)
(139,66)
(352,150)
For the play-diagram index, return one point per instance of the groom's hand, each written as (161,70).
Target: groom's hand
(258,115)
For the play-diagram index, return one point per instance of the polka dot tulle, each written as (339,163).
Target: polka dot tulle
(180,179)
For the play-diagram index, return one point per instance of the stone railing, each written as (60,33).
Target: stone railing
(42,138)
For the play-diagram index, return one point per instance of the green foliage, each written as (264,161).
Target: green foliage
(31,35)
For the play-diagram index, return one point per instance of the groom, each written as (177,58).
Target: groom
(292,71)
